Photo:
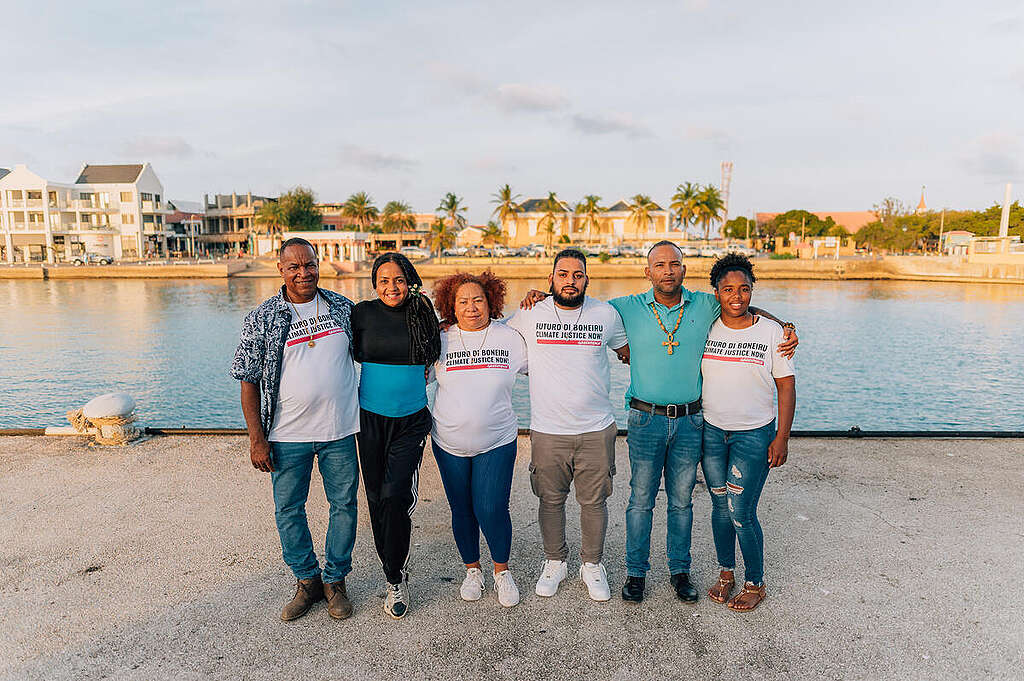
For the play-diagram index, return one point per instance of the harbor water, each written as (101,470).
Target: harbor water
(878,355)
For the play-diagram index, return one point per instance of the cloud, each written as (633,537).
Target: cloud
(696,5)
(157,147)
(517,97)
(1007,25)
(368,159)
(458,78)
(491,164)
(996,157)
(721,139)
(605,124)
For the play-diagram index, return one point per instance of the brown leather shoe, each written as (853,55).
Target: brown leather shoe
(307,592)
(338,605)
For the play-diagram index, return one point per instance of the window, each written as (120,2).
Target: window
(156,197)
(14,194)
(147,197)
(53,198)
(127,196)
(127,219)
(35,218)
(34,195)
(85,196)
(147,219)
(159,219)
(86,218)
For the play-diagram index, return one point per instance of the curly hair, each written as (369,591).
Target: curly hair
(445,289)
(731,262)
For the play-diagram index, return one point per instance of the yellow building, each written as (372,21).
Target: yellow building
(535,224)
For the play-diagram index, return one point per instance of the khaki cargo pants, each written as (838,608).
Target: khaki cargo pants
(586,461)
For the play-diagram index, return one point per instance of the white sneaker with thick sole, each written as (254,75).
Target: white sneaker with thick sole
(505,587)
(596,579)
(472,588)
(551,576)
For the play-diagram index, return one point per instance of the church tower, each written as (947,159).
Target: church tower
(922,208)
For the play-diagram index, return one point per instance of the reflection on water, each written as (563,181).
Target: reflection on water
(881,355)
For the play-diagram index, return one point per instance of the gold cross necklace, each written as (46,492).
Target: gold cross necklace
(316,316)
(671,342)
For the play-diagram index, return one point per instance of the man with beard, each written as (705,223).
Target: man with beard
(572,426)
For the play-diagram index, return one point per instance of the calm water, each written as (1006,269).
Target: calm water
(880,355)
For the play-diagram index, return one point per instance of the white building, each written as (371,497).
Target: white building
(115,210)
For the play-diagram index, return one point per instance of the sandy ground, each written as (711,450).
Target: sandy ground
(886,559)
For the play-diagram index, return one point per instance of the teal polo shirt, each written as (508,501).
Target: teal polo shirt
(654,375)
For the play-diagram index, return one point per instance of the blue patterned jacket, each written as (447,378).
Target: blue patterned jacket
(261,347)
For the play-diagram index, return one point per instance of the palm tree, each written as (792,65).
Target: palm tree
(709,208)
(397,217)
(552,208)
(589,209)
(507,208)
(684,203)
(640,208)
(451,206)
(273,216)
(492,233)
(441,236)
(360,208)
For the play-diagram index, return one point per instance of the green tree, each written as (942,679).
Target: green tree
(738,228)
(507,207)
(590,209)
(451,206)
(441,236)
(360,208)
(397,217)
(272,217)
(493,233)
(294,211)
(552,210)
(709,208)
(684,204)
(640,208)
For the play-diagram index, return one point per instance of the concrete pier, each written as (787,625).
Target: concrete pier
(885,559)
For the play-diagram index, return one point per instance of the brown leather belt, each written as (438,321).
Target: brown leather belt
(670,410)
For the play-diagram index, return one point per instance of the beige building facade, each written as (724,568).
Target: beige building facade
(229,223)
(533,225)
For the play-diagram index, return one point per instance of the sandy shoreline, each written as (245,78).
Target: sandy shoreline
(885,559)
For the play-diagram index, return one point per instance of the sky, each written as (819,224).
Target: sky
(820,105)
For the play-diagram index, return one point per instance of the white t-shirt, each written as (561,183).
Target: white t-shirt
(318,399)
(569,371)
(739,369)
(475,376)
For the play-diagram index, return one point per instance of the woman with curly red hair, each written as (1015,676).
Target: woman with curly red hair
(475,429)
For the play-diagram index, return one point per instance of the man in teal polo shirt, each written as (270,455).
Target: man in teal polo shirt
(667,327)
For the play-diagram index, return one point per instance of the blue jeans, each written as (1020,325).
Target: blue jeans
(659,444)
(339,467)
(735,468)
(478,489)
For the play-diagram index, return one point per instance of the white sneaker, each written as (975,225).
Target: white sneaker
(551,576)
(596,579)
(505,587)
(472,588)
(396,599)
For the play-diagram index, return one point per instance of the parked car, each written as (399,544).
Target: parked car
(502,251)
(690,251)
(710,252)
(628,251)
(478,252)
(414,252)
(456,250)
(91,259)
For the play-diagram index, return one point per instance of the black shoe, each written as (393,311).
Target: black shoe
(684,590)
(633,589)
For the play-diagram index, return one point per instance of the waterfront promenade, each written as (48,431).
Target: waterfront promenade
(886,559)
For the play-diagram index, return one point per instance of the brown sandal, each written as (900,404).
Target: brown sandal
(719,593)
(748,588)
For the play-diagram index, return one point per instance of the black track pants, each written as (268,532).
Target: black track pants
(390,451)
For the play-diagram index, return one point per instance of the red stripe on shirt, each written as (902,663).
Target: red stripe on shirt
(745,360)
(556,341)
(306,339)
(477,366)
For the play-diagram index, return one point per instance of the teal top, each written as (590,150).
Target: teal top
(392,389)
(654,375)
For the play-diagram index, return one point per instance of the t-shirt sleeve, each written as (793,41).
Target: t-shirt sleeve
(781,365)
(517,322)
(616,331)
(714,309)
(247,364)
(524,362)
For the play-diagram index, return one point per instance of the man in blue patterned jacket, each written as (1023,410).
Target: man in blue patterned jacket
(300,401)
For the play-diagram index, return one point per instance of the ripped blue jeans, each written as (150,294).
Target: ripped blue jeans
(735,465)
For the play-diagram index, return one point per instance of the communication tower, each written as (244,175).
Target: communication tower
(724,189)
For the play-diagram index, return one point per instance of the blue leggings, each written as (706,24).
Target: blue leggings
(478,488)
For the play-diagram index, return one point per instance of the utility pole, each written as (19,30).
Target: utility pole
(942,226)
